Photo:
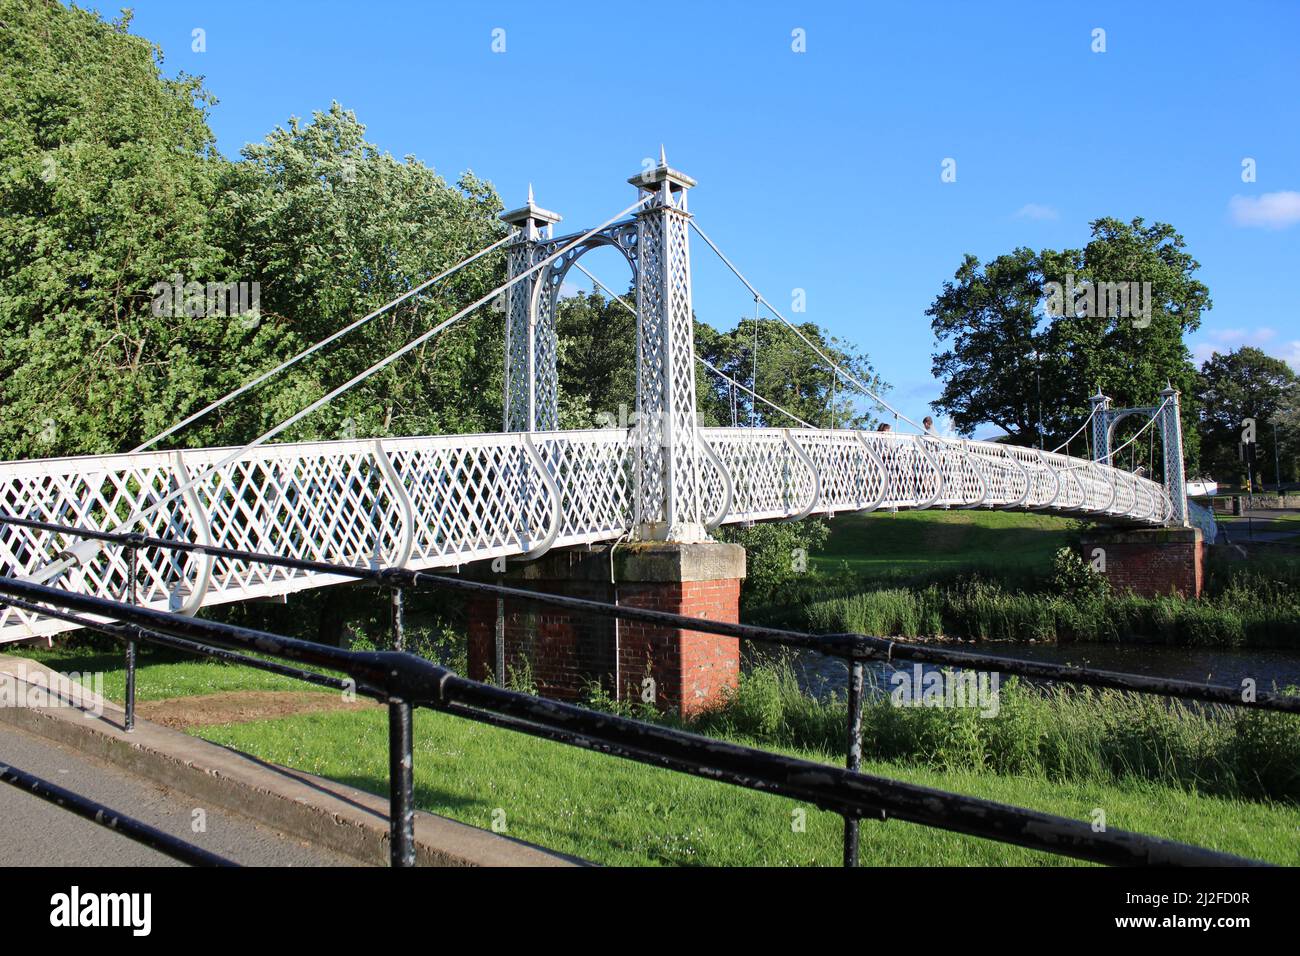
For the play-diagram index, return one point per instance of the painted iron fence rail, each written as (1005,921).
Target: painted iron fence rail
(444,501)
(405,681)
(110,819)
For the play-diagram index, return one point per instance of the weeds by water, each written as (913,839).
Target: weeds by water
(1062,734)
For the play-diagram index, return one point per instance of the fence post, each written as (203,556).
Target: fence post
(130,645)
(854,760)
(401,784)
(398,621)
(499,641)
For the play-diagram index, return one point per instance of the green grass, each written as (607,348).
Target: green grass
(612,811)
(160,674)
(908,542)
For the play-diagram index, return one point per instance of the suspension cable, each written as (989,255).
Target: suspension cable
(1138,434)
(253,383)
(712,368)
(1066,443)
(55,568)
(758,297)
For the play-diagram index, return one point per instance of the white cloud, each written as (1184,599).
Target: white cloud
(1227,340)
(1035,210)
(1269,211)
(1289,352)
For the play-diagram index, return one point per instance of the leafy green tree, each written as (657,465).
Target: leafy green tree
(1002,350)
(1287,421)
(597,360)
(332,228)
(993,368)
(1232,388)
(107,173)
(789,374)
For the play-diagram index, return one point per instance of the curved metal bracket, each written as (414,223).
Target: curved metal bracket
(938,471)
(1056,479)
(1114,490)
(817,476)
(405,544)
(552,489)
(728,490)
(979,473)
(202,531)
(1029,481)
(885,481)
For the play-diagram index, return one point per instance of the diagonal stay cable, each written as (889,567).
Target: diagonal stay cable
(758,297)
(1066,443)
(703,361)
(248,386)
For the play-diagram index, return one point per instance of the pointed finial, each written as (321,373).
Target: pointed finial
(663,159)
(530,194)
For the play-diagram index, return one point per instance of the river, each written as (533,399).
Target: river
(1225,666)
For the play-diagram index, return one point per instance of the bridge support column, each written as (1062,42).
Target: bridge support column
(1151,562)
(531,385)
(564,652)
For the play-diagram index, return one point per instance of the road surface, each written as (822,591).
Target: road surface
(34,832)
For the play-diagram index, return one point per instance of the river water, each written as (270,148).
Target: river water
(822,676)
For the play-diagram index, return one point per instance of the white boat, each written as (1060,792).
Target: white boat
(1201,487)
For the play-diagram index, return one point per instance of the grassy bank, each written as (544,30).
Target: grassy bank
(975,608)
(1217,781)
(615,812)
(882,546)
(989,576)
(1070,735)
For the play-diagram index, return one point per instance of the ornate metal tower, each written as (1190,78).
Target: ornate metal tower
(668,506)
(531,383)
(666,493)
(1169,421)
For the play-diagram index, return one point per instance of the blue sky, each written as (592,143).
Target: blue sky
(820,170)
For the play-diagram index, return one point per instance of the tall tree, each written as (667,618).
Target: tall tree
(997,354)
(1244,390)
(332,227)
(107,173)
(1004,349)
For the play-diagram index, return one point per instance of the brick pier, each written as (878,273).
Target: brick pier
(683,671)
(1151,562)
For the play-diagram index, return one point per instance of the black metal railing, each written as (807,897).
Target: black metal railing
(404,681)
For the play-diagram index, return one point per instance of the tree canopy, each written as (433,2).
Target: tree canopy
(1004,355)
(1240,387)
(111,188)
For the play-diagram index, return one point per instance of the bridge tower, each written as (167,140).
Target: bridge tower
(531,383)
(1149,561)
(668,483)
(1168,420)
(671,565)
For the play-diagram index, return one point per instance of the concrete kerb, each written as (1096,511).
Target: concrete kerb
(327,814)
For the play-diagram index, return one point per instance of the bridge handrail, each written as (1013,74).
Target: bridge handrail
(406,681)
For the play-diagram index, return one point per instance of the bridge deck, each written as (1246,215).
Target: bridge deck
(444,501)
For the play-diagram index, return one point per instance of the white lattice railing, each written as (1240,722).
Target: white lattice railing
(449,500)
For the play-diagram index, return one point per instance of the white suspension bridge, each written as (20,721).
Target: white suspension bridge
(447,500)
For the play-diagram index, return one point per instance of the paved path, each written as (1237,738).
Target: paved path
(1263,525)
(36,833)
